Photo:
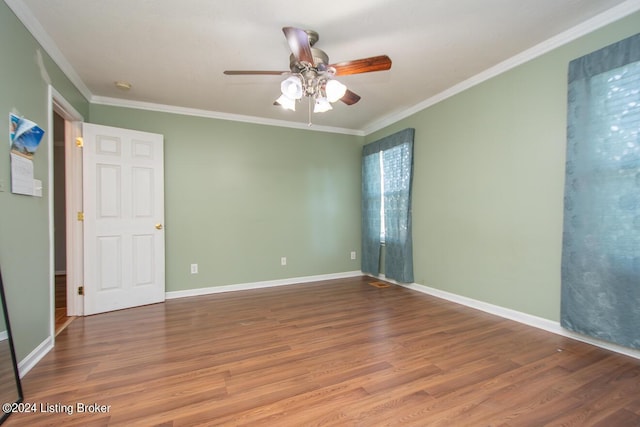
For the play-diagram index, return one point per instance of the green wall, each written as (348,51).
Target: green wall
(489,182)
(24,220)
(239,196)
(487,197)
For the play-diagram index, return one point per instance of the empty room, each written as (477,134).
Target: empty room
(365,213)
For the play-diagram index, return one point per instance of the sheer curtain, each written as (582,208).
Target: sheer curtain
(387,169)
(601,239)
(371,204)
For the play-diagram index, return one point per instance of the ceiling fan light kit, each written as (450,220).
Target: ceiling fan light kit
(322,105)
(318,88)
(335,90)
(285,102)
(311,75)
(291,87)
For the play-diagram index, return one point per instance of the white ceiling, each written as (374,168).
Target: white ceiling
(174,52)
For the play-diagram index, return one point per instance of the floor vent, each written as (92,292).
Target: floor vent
(380,284)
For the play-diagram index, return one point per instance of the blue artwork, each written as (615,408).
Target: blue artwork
(25,135)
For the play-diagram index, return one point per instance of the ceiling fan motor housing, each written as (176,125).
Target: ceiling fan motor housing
(312,72)
(320,61)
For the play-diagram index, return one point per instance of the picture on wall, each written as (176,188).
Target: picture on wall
(25,137)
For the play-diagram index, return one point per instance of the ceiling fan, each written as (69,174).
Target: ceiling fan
(311,75)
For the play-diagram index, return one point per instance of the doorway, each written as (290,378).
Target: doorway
(60,225)
(142,259)
(65,197)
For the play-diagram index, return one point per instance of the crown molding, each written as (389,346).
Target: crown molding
(117,102)
(35,28)
(582,29)
(37,31)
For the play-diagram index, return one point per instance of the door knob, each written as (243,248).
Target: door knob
(158,226)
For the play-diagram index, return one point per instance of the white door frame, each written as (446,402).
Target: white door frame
(73,172)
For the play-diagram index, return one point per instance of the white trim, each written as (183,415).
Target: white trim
(74,228)
(524,318)
(527,319)
(582,29)
(57,103)
(4,335)
(25,16)
(50,213)
(259,285)
(35,28)
(26,364)
(66,110)
(32,359)
(116,102)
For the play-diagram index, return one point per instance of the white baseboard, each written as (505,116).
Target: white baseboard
(26,364)
(518,316)
(3,335)
(258,285)
(527,319)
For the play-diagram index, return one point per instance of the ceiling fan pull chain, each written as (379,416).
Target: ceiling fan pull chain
(309,112)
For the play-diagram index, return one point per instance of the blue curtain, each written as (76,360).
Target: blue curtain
(601,239)
(387,170)
(371,204)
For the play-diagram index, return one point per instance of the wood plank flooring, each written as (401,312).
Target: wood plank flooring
(332,353)
(61,319)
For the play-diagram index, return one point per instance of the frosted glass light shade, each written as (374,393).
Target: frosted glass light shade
(291,87)
(286,103)
(322,105)
(335,90)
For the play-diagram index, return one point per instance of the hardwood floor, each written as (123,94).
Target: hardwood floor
(336,353)
(61,318)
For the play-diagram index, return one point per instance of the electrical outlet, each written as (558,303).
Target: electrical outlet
(194,268)
(353,254)
(283,260)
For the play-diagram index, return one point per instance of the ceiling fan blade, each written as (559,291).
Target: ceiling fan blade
(299,44)
(365,65)
(350,98)
(249,72)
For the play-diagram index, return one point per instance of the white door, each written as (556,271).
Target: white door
(123,203)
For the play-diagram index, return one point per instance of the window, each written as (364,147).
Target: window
(601,237)
(382,233)
(387,167)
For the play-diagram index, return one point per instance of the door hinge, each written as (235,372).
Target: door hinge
(80,290)
(80,216)
(79,142)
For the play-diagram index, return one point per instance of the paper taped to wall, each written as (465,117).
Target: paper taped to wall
(21,174)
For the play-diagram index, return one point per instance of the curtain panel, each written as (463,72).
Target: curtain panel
(600,293)
(387,171)
(371,205)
